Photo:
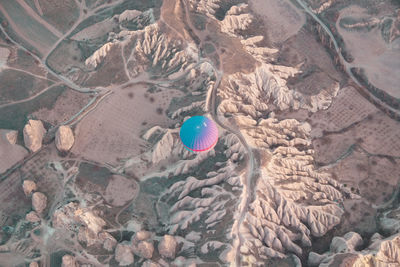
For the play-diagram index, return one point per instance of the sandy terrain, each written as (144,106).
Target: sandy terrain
(281,18)
(114,117)
(67,105)
(9,153)
(380,59)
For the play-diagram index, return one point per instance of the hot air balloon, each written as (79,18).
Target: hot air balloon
(199,133)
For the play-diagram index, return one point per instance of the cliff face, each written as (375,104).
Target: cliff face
(380,252)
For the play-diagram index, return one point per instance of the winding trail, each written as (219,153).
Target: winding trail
(248,180)
(347,66)
(31,97)
(247,193)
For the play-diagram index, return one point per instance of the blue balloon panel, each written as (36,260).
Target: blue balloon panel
(199,133)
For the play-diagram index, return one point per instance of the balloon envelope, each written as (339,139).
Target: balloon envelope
(199,133)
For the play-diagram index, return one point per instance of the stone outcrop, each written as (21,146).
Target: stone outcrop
(64,138)
(39,202)
(167,246)
(380,252)
(150,263)
(123,254)
(73,216)
(108,241)
(141,236)
(33,264)
(68,261)
(34,132)
(142,245)
(32,217)
(144,249)
(11,136)
(29,187)
(236,19)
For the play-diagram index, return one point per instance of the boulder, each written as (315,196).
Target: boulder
(64,138)
(34,264)
(11,136)
(123,254)
(108,241)
(39,202)
(32,217)
(33,135)
(167,246)
(144,249)
(141,236)
(29,187)
(68,261)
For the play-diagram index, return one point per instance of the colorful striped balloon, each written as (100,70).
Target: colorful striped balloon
(199,133)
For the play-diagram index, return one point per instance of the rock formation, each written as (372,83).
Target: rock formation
(29,187)
(33,135)
(33,264)
(39,202)
(32,217)
(64,138)
(380,252)
(236,19)
(149,263)
(167,246)
(123,254)
(68,261)
(11,136)
(108,241)
(143,249)
(4,54)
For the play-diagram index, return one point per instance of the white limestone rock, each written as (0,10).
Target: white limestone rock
(167,246)
(33,264)
(141,236)
(108,241)
(128,15)
(235,19)
(29,187)
(151,48)
(143,249)
(207,7)
(63,218)
(32,217)
(93,223)
(123,254)
(34,132)
(39,202)
(267,84)
(4,54)
(349,242)
(68,261)
(72,216)
(95,59)
(64,138)
(380,252)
